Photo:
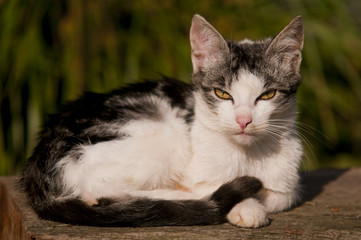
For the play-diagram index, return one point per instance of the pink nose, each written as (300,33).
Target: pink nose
(243,121)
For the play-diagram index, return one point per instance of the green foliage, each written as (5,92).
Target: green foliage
(52,51)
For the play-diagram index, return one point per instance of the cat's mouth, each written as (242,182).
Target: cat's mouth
(245,134)
(244,137)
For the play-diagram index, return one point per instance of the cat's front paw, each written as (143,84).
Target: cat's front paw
(249,214)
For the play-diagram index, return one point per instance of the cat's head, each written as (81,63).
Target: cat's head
(246,89)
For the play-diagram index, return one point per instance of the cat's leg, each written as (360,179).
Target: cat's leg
(252,212)
(249,213)
(275,201)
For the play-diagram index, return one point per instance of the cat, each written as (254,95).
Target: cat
(224,148)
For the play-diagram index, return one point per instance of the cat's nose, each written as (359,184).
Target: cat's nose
(244,120)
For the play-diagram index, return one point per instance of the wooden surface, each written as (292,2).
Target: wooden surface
(331,209)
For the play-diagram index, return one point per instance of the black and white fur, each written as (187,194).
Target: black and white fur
(168,153)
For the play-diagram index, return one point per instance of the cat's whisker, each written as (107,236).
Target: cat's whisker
(279,130)
(308,145)
(311,131)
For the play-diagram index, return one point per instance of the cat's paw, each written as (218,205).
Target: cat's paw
(249,214)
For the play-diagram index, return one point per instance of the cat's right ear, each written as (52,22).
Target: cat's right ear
(208,46)
(285,49)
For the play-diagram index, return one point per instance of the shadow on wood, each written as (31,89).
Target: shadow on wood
(313,182)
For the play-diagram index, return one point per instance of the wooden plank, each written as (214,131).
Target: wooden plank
(331,209)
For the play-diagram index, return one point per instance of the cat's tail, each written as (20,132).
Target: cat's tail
(141,212)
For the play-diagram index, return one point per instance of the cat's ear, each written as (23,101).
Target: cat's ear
(208,46)
(286,47)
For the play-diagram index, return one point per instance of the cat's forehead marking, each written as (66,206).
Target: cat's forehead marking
(246,86)
(246,78)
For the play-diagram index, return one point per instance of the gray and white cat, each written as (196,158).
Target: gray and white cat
(168,153)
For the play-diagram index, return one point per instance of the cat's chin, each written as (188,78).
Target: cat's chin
(244,138)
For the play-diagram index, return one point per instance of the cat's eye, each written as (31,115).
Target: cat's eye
(267,95)
(222,94)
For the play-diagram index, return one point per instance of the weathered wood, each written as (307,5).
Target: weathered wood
(331,210)
(11,222)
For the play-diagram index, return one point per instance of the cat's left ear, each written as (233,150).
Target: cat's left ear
(208,46)
(286,47)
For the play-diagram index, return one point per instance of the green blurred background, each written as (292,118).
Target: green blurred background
(52,51)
